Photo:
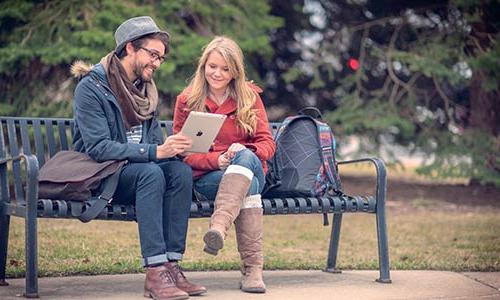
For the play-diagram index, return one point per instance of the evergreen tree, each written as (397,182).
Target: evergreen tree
(422,74)
(40,39)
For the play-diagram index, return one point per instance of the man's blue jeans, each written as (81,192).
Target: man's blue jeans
(162,195)
(206,187)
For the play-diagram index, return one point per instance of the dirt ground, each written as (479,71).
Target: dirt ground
(400,192)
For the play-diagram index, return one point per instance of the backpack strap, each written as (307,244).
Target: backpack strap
(284,126)
(312,112)
(327,142)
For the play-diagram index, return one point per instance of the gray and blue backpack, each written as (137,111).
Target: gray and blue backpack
(304,163)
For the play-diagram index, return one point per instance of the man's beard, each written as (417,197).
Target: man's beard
(139,72)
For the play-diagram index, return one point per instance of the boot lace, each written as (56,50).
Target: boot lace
(166,277)
(177,271)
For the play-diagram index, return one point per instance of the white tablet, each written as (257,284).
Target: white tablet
(202,128)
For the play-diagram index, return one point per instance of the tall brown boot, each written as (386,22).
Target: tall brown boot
(232,190)
(249,237)
(160,285)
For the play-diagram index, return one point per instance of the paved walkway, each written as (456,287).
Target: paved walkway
(290,285)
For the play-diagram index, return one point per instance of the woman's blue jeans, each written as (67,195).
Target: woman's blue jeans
(162,194)
(206,187)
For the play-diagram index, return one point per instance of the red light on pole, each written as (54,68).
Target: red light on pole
(353,64)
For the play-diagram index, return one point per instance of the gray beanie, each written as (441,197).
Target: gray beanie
(133,29)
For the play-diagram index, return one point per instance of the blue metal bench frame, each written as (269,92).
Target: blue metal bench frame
(26,143)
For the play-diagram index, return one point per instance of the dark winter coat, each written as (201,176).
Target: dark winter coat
(99,130)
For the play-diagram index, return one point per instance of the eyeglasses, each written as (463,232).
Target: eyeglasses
(154,55)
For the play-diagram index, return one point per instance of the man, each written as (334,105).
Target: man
(115,106)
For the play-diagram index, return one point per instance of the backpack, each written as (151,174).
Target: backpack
(304,163)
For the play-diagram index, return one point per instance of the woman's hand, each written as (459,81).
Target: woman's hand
(173,145)
(224,161)
(226,158)
(234,148)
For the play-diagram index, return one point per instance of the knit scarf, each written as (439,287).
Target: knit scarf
(137,103)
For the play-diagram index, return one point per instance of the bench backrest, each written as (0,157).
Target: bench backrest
(44,137)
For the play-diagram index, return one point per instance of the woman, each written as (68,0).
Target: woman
(233,171)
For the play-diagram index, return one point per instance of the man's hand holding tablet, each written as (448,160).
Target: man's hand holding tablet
(173,145)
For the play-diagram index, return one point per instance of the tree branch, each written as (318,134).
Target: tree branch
(394,92)
(367,25)
(445,98)
(362,54)
(410,89)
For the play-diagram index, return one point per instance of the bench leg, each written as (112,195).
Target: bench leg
(4,243)
(31,253)
(383,245)
(383,248)
(331,264)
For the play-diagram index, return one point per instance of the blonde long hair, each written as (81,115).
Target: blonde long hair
(239,89)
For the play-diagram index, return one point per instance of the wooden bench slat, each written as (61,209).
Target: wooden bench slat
(71,129)
(280,206)
(372,204)
(266,205)
(4,184)
(39,144)
(25,140)
(16,165)
(291,206)
(62,128)
(130,212)
(337,203)
(302,205)
(50,137)
(3,150)
(315,207)
(62,208)
(324,204)
(168,127)
(48,208)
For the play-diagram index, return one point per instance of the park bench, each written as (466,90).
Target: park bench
(27,143)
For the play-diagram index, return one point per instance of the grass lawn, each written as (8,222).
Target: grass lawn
(419,238)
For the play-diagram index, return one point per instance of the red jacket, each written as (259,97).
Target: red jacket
(262,142)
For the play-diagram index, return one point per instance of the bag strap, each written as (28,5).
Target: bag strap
(327,142)
(93,210)
(312,112)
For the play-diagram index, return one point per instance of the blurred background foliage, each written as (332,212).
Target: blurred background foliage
(421,74)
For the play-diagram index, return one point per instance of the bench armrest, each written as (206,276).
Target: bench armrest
(381,187)
(31,178)
(5,160)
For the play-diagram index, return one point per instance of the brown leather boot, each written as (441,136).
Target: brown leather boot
(249,237)
(160,285)
(232,189)
(181,281)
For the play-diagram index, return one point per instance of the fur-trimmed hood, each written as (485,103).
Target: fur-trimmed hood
(80,68)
